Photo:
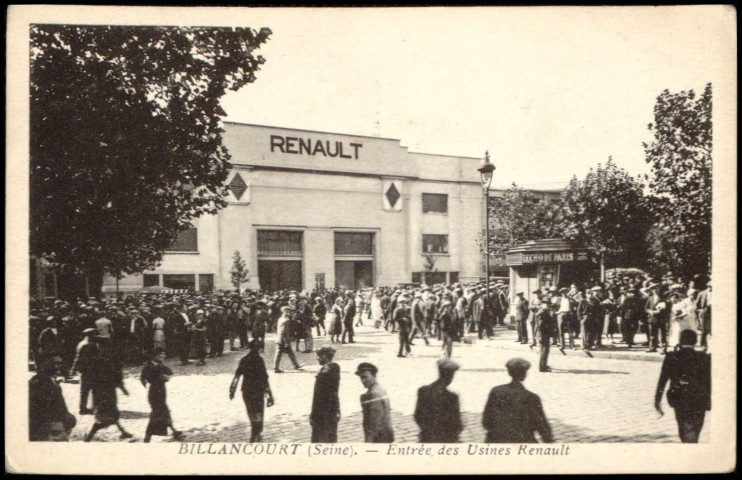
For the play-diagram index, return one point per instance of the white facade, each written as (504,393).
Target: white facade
(288,182)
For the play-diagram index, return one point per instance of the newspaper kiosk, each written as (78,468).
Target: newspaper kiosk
(549,263)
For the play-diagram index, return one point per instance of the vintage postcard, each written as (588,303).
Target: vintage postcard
(473,240)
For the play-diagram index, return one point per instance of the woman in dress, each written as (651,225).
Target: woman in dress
(157,374)
(682,316)
(336,327)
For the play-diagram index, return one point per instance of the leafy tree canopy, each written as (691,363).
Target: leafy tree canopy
(680,157)
(608,210)
(126,142)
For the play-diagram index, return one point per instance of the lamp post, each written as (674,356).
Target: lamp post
(486,169)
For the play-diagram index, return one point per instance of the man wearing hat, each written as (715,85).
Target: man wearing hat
(377,418)
(521,317)
(563,311)
(403,321)
(349,314)
(326,402)
(512,413)
(105,327)
(283,340)
(86,353)
(543,331)
(49,343)
(437,410)
(632,308)
(658,316)
(703,308)
(255,388)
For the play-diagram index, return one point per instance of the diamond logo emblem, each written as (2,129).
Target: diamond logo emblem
(392,194)
(238,186)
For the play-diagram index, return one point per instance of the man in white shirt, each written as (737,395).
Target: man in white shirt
(564,309)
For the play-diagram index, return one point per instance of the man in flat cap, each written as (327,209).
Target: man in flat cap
(349,314)
(658,316)
(543,331)
(326,402)
(512,413)
(521,317)
(403,322)
(377,418)
(87,351)
(437,411)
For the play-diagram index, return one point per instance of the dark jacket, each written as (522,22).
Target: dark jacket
(689,374)
(326,403)
(513,414)
(437,413)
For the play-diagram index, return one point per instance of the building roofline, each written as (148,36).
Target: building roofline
(312,131)
(349,135)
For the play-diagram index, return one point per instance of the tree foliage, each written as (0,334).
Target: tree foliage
(608,211)
(680,157)
(519,216)
(239,272)
(126,141)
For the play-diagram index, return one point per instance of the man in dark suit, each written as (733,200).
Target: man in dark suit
(689,374)
(658,313)
(543,331)
(512,413)
(326,404)
(437,410)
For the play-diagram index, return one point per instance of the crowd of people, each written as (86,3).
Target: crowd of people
(96,338)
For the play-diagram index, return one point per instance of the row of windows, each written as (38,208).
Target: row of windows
(433,278)
(180,281)
(289,243)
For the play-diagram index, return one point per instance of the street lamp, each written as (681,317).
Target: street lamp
(486,169)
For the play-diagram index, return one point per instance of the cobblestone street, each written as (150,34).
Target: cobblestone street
(585,399)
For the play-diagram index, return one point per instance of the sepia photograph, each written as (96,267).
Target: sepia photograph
(371,240)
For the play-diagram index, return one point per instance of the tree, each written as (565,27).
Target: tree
(680,157)
(126,138)
(519,216)
(608,211)
(239,271)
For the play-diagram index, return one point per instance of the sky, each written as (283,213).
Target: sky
(549,92)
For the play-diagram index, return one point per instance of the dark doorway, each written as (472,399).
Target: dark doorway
(279,275)
(352,275)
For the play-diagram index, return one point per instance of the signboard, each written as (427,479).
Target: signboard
(314,147)
(535,258)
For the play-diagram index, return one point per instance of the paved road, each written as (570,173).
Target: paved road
(585,399)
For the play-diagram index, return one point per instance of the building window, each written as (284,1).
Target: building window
(434,278)
(417,277)
(354,243)
(151,280)
(186,241)
(435,203)
(206,283)
(435,243)
(179,282)
(279,243)
(453,277)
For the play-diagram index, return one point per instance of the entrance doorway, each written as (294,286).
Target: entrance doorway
(279,274)
(353,275)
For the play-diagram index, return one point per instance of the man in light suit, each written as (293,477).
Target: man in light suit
(377,420)
(512,413)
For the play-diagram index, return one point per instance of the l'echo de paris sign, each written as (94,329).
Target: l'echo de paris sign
(531,258)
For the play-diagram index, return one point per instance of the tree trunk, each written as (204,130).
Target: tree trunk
(95,282)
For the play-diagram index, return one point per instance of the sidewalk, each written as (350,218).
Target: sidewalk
(506,339)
